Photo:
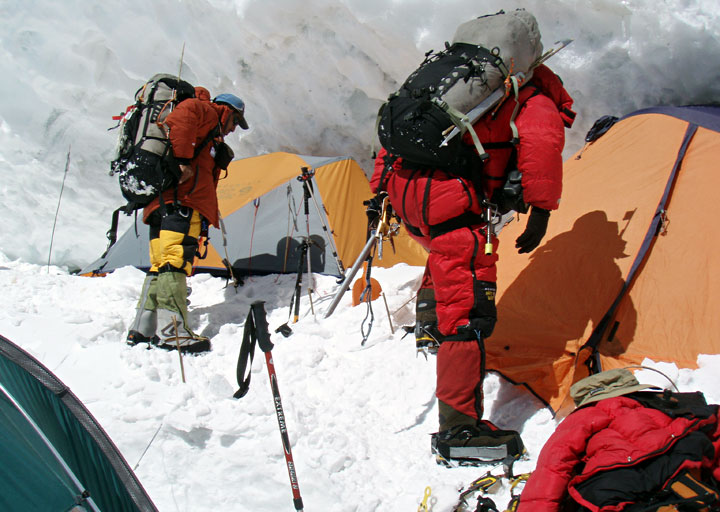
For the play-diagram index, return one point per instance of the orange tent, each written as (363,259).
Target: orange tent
(629,267)
(267,217)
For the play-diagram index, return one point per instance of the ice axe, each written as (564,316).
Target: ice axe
(383,231)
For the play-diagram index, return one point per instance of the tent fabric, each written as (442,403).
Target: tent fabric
(262,202)
(627,270)
(55,455)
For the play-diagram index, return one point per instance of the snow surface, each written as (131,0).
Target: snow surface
(359,417)
(313,74)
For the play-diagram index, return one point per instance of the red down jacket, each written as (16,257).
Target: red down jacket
(614,433)
(427,197)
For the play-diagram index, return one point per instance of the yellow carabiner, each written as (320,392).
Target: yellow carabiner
(424,505)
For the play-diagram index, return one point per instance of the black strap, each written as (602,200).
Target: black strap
(426,196)
(210,136)
(247,354)
(112,232)
(643,253)
(388,161)
(461,221)
(255,332)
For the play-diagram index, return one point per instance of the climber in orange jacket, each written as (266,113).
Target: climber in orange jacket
(196,129)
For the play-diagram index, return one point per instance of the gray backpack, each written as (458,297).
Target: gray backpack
(143,157)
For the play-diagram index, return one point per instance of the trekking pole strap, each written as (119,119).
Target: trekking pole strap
(245,359)
(257,310)
(255,332)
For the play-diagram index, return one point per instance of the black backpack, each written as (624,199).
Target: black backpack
(416,120)
(143,160)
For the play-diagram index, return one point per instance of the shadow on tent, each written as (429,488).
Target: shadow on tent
(539,321)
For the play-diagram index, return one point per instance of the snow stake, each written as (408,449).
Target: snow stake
(177,344)
(256,331)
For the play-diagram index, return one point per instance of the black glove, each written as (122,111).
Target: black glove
(534,230)
(374,207)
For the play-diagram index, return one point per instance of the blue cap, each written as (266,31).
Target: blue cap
(236,104)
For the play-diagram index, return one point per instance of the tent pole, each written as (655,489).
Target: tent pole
(328,234)
(83,493)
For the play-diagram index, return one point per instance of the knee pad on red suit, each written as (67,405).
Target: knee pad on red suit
(483,314)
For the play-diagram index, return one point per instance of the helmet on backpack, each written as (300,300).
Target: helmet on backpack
(234,103)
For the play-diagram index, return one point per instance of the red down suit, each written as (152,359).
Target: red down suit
(622,445)
(425,198)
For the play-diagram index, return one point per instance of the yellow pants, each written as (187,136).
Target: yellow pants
(173,243)
(174,240)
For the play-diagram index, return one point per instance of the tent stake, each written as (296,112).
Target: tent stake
(392,329)
(312,307)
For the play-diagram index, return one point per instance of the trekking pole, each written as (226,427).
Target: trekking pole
(306,199)
(62,187)
(226,261)
(285,329)
(256,330)
(174,93)
(298,282)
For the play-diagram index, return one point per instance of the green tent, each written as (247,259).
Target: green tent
(55,456)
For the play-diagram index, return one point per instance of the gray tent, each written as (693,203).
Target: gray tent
(269,213)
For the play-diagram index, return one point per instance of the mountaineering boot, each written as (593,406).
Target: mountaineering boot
(172,311)
(171,338)
(143,328)
(465,441)
(473,445)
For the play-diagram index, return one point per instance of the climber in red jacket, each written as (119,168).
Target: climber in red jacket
(443,210)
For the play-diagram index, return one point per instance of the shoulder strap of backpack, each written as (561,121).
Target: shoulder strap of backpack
(210,136)
(692,492)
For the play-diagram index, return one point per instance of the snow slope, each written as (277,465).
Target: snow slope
(312,74)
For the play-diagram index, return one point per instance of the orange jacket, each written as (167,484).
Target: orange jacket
(189,125)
